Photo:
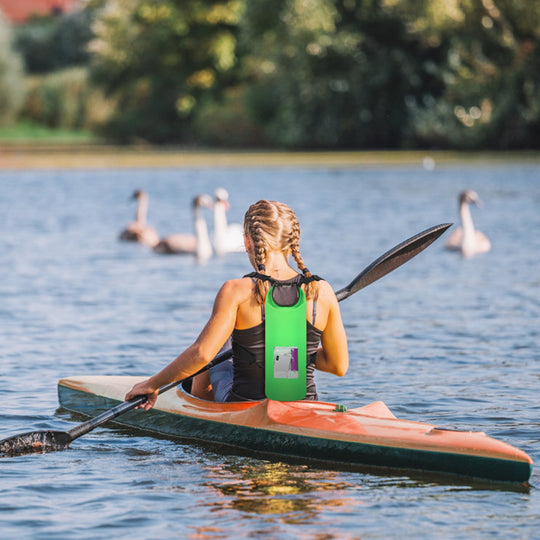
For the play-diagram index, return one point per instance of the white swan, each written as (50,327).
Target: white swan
(227,237)
(184,243)
(138,230)
(466,238)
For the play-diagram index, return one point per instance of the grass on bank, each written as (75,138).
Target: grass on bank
(28,132)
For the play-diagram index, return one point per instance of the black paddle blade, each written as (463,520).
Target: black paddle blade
(392,259)
(35,442)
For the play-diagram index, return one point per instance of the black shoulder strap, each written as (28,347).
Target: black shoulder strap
(260,276)
(303,279)
(309,279)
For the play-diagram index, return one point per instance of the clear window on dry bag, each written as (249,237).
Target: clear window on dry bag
(286,362)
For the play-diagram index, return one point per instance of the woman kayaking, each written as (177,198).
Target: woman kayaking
(271,236)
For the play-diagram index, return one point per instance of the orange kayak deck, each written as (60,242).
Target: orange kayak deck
(314,431)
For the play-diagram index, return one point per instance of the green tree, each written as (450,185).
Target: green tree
(161,60)
(490,72)
(329,73)
(11,76)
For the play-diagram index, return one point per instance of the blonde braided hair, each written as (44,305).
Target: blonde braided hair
(272,225)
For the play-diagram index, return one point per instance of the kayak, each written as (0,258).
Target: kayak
(307,431)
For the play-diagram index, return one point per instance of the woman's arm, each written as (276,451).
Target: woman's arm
(333,356)
(214,334)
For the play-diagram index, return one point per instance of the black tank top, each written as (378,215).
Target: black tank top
(248,359)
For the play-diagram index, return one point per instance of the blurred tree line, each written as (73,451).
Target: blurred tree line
(461,74)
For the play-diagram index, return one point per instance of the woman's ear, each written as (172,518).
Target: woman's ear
(247,243)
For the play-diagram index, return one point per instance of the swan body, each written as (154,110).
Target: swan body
(466,238)
(197,244)
(139,231)
(228,238)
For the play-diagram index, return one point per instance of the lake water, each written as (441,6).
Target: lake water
(442,339)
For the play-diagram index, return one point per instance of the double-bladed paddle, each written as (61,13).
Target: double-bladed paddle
(47,441)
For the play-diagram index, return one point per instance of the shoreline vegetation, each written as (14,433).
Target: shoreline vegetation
(273,75)
(37,147)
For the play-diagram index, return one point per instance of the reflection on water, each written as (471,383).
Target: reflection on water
(278,489)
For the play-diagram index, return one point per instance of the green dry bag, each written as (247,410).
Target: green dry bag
(285,348)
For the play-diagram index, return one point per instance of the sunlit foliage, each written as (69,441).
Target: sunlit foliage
(162,60)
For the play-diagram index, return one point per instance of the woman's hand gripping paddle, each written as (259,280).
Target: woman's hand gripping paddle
(47,441)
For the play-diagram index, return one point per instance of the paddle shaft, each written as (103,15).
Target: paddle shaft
(387,262)
(126,406)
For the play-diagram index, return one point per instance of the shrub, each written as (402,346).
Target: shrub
(52,43)
(12,85)
(227,123)
(66,99)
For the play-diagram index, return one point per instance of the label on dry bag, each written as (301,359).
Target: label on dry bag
(285,347)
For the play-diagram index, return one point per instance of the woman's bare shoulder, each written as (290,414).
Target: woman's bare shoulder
(237,289)
(326,293)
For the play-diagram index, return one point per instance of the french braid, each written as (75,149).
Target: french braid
(311,288)
(273,225)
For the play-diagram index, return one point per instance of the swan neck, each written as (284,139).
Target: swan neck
(469,234)
(220,217)
(204,246)
(466,218)
(220,227)
(142,210)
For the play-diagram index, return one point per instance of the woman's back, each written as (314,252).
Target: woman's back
(248,342)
